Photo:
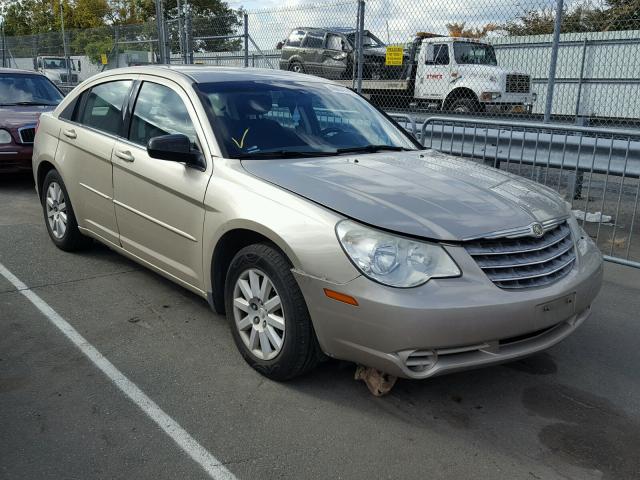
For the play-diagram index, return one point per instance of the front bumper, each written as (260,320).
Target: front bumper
(455,323)
(15,158)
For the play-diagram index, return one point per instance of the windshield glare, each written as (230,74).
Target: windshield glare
(257,117)
(474,53)
(34,89)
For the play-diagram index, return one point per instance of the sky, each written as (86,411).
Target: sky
(394,21)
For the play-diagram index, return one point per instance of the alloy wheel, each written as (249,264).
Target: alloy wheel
(258,313)
(56,210)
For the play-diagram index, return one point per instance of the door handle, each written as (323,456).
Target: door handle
(71,133)
(124,155)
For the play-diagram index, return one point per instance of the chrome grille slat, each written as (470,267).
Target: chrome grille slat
(556,250)
(519,245)
(517,263)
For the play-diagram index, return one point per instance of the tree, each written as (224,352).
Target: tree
(459,30)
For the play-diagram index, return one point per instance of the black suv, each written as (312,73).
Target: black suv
(329,53)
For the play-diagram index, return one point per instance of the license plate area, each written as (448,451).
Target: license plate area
(556,310)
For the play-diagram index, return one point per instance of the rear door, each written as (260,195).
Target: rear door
(312,46)
(160,204)
(88,135)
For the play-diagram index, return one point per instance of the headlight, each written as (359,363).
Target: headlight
(393,260)
(5,137)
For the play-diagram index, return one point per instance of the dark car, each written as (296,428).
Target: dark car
(330,52)
(24,96)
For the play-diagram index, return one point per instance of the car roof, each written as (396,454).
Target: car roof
(343,30)
(213,74)
(20,71)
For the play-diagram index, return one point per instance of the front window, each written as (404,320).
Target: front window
(55,63)
(27,90)
(259,118)
(369,40)
(474,53)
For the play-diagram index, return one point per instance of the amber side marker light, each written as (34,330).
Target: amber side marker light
(341,297)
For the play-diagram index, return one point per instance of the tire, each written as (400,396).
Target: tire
(298,351)
(465,105)
(56,207)
(297,67)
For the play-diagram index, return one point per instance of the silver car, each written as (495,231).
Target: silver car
(316,224)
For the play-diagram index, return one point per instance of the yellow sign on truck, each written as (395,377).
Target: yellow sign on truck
(104,59)
(394,55)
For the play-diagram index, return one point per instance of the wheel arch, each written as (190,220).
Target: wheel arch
(235,238)
(43,168)
(457,93)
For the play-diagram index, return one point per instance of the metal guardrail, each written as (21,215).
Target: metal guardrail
(593,168)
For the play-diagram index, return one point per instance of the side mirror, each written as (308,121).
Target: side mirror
(79,66)
(175,148)
(279,45)
(35,64)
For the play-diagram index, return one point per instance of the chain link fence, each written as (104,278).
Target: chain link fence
(575,62)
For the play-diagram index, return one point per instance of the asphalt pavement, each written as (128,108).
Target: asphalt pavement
(569,413)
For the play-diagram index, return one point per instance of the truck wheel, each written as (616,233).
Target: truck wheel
(58,215)
(269,319)
(466,105)
(297,67)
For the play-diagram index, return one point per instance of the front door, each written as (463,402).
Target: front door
(86,144)
(434,77)
(334,57)
(160,204)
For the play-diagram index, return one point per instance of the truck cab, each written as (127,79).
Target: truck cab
(59,70)
(463,75)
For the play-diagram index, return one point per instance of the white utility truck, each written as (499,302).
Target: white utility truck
(59,70)
(452,74)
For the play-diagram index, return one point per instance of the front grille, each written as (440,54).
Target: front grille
(27,134)
(518,83)
(525,262)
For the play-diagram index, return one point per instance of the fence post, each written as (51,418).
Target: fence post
(580,79)
(360,43)
(554,60)
(245,19)
(188,36)
(160,27)
(116,40)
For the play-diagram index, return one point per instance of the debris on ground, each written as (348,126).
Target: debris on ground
(597,217)
(378,383)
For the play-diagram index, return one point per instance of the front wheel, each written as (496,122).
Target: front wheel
(269,319)
(466,105)
(296,67)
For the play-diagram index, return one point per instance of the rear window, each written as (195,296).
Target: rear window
(295,38)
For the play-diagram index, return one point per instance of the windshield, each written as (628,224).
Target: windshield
(27,89)
(54,63)
(474,53)
(254,118)
(369,40)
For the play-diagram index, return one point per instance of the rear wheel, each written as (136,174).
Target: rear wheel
(59,216)
(297,67)
(268,315)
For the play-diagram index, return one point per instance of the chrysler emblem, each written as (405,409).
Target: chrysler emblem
(537,230)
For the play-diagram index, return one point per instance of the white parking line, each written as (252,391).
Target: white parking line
(183,439)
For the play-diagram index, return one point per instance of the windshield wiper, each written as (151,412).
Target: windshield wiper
(275,154)
(372,149)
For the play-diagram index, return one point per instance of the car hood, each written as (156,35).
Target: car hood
(426,194)
(20,115)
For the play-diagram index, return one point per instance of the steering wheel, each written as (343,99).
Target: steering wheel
(331,131)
